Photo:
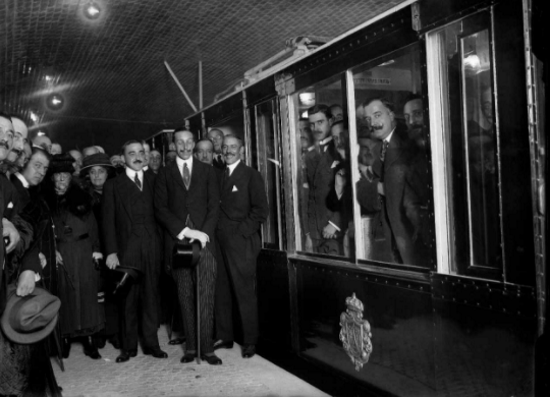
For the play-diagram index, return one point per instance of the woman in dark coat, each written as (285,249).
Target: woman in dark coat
(95,171)
(81,315)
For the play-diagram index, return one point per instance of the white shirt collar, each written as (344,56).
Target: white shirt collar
(24,182)
(388,138)
(145,168)
(132,174)
(233,166)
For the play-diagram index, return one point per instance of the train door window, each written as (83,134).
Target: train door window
(394,192)
(231,126)
(469,146)
(269,164)
(325,210)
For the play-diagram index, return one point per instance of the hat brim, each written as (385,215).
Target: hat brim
(96,165)
(24,338)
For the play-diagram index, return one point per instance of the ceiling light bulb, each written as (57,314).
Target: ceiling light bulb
(92,10)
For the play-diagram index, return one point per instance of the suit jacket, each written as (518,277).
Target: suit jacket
(120,222)
(320,180)
(174,203)
(219,164)
(243,202)
(402,201)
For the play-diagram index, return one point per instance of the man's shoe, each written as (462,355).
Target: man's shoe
(90,348)
(123,357)
(212,359)
(177,341)
(223,344)
(155,352)
(249,351)
(188,357)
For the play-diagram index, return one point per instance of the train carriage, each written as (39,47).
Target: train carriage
(438,287)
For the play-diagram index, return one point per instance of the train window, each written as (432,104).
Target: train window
(324,211)
(470,141)
(269,164)
(394,190)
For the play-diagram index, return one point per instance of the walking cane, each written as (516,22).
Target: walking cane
(198,316)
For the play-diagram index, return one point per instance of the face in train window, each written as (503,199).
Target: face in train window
(324,193)
(394,189)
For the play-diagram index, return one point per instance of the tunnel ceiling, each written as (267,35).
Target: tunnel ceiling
(109,70)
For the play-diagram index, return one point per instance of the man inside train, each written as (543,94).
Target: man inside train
(394,160)
(320,179)
(414,119)
(337,112)
(216,136)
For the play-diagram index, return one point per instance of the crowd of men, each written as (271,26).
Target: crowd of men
(202,192)
(392,191)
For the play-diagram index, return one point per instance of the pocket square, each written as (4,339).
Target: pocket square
(10,205)
(335,164)
(234,189)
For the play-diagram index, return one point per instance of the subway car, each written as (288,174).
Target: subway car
(435,286)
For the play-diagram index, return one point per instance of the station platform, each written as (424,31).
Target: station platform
(145,376)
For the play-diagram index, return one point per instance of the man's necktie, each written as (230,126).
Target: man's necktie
(137,181)
(186,175)
(384,150)
(225,177)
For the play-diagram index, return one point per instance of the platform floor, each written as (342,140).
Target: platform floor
(145,376)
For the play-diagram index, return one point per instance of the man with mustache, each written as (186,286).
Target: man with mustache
(414,118)
(187,204)
(243,208)
(322,231)
(132,240)
(395,156)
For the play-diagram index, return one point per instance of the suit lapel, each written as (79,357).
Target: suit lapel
(174,170)
(235,176)
(128,191)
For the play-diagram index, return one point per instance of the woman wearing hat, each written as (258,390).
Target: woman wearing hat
(81,316)
(96,170)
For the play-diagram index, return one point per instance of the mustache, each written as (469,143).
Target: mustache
(138,161)
(377,127)
(5,144)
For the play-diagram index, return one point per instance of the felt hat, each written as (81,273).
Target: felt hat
(127,275)
(29,319)
(95,159)
(61,163)
(186,254)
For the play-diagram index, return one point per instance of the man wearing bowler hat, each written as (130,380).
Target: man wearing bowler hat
(132,240)
(187,205)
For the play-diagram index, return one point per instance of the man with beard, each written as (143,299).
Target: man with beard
(187,203)
(132,240)
(394,158)
(322,222)
(243,208)
(216,136)
(414,119)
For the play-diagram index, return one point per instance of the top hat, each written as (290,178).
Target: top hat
(100,159)
(186,254)
(29,319)
(129,274)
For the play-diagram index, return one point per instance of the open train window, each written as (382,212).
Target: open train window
(393,191)
(323,154)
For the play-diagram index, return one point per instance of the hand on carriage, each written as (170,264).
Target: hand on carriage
(112,261)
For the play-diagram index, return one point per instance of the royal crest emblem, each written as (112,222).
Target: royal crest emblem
(355,333)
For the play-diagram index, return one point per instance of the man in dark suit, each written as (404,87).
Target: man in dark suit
(243,208)
(132,240)
(187,204)
(323,234)
(216,136)
(394,164)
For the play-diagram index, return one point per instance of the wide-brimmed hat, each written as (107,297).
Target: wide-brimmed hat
(61,163)
(186,254)
(29,319)
(100,159)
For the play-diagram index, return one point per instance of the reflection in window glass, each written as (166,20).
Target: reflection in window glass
(325,206)
(394,190)
(269,166)
(475,204)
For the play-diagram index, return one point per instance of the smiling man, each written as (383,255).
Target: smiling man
(132,241)
(187,206)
